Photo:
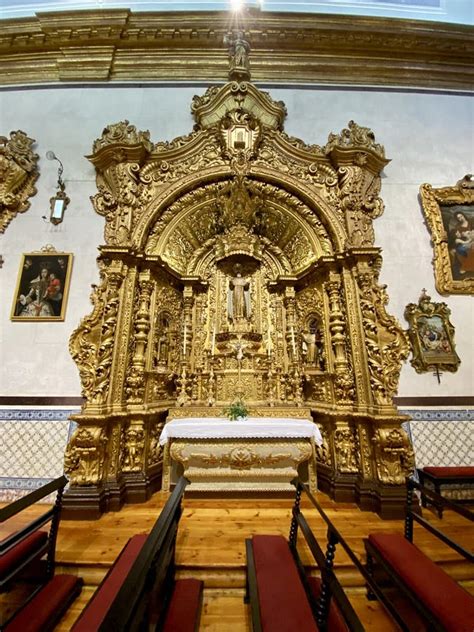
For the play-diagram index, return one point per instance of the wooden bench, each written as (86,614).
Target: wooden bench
(28,557)
(439,477)
(283,598)
(415,591)
(140,590)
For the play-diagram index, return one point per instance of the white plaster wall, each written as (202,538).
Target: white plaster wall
(429,138)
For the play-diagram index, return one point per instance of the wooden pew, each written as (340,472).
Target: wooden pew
(140,590)
(21,559)
(414,590)
(445,477)
(282,597)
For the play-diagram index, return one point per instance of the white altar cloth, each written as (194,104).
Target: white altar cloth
(249,428)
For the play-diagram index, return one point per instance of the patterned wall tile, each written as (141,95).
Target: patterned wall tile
(32,445)
(442,437)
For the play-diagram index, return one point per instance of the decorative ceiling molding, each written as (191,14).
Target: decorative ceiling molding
(119,46)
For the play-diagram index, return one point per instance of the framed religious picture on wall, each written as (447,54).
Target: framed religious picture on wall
(42,286)
(449,213)
(431,336)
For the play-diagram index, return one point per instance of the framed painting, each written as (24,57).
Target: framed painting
(431,336)
(42,286)
(449,214)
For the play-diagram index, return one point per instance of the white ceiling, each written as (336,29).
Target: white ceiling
(457,11)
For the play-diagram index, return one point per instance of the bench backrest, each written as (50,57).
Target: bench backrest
(331,588)
(411,516)
(51,515)
(143,597)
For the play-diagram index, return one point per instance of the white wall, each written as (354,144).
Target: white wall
(429,138)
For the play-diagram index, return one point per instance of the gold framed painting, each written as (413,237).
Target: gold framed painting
(449,213)
(431,336)
(43,285)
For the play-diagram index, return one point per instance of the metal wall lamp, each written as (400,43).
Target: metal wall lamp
(59,202)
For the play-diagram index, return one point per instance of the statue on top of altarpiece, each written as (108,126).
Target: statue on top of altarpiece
(239,50)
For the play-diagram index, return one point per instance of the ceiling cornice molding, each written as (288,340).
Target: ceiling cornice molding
(120,46)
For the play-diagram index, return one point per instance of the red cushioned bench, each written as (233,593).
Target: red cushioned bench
(404,573)
(440,477)
(283,598)
(22,565)
(140,591)
(47,606)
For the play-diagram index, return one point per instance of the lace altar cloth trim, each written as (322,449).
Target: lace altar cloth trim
(249,428)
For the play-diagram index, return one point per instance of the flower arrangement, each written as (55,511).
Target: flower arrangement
(237,410)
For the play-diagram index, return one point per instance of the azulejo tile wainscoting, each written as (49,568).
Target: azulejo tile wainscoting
(33,441)
(32,445)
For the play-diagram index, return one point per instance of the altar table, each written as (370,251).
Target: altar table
(253,454)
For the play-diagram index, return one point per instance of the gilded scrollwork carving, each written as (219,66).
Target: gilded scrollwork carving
(394,455)
(85,456)
(18,174)
(118,156)
(386,342)
(359,160)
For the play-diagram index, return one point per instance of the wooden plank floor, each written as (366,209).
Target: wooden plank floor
(211,546)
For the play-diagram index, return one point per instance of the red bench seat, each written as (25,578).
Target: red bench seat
(450,472)
(451,605)
(26,550)
(284,606)
(47,607)
(184,610)
(102,599)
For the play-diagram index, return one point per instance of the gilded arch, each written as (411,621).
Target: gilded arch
(245,235)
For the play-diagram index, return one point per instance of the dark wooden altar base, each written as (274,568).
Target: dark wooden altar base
(388,501)
(89,503)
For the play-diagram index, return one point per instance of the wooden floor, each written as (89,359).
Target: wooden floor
(211,546)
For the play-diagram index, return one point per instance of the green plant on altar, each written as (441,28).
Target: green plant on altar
(237,410)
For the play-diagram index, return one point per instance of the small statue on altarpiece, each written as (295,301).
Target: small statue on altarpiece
(238,298)
(308,345)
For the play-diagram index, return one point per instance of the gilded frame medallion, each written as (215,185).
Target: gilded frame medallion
(449,213)
(42,287)
(431,336)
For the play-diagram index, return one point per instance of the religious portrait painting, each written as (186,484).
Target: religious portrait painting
(42,286)
(450,217)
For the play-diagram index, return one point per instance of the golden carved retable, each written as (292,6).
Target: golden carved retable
(261,454)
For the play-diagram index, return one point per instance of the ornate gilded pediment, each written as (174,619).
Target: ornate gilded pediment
(18,174)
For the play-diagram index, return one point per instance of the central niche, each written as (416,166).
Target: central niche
(239,246)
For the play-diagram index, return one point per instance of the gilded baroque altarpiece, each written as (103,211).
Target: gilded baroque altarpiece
(238,261)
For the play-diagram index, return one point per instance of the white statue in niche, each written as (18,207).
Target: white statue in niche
(238,298)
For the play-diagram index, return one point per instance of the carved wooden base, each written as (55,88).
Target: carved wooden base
(84,503)
(89,503)
(388,501)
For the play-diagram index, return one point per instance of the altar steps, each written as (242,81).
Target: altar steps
(211,547)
